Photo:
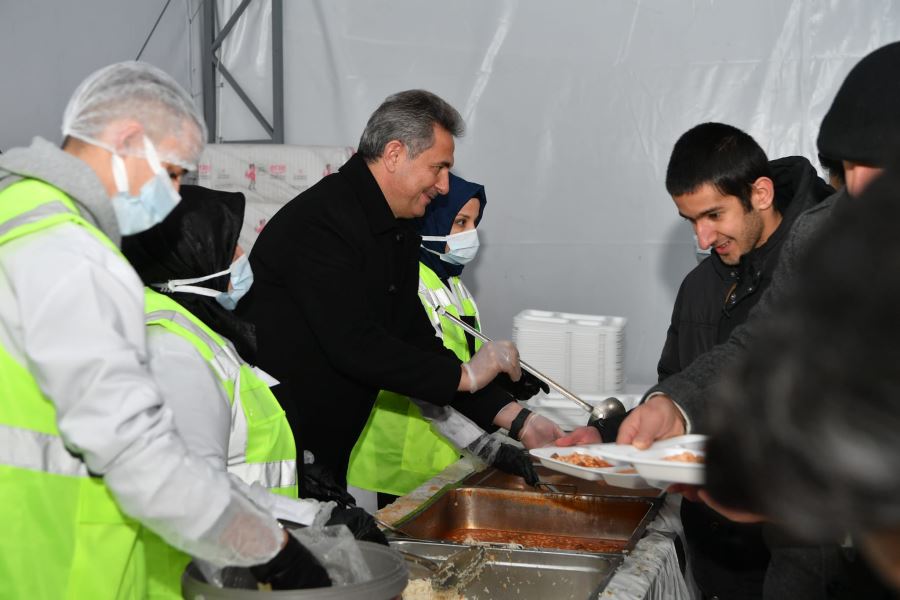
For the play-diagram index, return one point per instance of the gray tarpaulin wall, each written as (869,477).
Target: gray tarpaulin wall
(572,108)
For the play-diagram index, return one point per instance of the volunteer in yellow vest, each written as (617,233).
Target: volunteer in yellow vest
(408,441)
(90,459)
(223,406)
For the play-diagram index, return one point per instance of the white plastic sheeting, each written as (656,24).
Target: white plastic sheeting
(572,110)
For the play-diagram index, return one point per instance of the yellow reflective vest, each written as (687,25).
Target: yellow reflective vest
(398,450)
(260,432)
(63,534)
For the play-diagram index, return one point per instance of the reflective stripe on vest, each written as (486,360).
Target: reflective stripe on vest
(56,515)
(261,445)
(37,451)
(282,473)
(457,300)
(32,216)
(398,450)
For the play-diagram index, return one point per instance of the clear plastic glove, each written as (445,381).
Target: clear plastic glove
(492,359)
(539,431)
(587,434)
(302,511)
(293,568)
(450,423)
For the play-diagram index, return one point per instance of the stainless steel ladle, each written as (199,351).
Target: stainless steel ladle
(608,408)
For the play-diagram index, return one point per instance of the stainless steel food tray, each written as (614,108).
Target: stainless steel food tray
(524,574)
(580,523)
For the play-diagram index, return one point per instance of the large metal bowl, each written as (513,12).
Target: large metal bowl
(391,577)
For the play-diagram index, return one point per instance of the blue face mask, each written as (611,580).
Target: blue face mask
(154,201)
(461,247)
(241,280)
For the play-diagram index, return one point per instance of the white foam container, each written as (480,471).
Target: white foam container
(584,353)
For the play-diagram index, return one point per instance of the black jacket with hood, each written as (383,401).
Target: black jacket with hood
(729,559)
(715,298)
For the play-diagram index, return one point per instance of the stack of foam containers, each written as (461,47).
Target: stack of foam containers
(584,353)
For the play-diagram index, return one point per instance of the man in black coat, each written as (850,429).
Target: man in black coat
(335,295)
(741,206)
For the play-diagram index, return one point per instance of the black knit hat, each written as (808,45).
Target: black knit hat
(863,123)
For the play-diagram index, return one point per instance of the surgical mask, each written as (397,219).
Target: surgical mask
(461,247)
(154,201)
(241,280)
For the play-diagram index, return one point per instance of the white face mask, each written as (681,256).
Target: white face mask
(156,198)
(461,247)
(241,280)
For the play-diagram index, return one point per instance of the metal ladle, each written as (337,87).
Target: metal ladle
(608,408)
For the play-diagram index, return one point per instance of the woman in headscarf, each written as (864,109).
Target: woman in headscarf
(407,441)
(195,273)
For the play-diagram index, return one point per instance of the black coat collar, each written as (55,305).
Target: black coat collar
(375,206)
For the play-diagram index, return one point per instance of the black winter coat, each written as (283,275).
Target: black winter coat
(338,317)
(729,560)
(715,298)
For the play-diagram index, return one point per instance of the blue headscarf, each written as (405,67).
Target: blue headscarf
(438,220)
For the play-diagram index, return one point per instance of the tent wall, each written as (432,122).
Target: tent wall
(572,109)
(49,46)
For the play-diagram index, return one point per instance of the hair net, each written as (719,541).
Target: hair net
(136,90)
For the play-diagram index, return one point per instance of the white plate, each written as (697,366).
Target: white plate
(616,478)
(611,475)
(651,463)
(591,474)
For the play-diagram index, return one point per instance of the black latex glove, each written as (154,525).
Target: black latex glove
(608,428)
(515,461)
(319,483)
(527,386)
(294,568)
(359,522)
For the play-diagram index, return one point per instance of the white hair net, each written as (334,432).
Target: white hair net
(136,90)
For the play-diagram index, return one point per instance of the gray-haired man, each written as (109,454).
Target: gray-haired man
(335,299)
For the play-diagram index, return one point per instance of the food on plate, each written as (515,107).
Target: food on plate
(581,460)
(688,457)
(629,471)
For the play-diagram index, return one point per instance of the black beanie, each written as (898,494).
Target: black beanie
(863,123)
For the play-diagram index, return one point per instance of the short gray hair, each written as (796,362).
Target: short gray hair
(409,117)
